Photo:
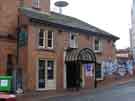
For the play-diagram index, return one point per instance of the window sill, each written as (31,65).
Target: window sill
(97,51)
(36,8)
(46,49)
(100,79)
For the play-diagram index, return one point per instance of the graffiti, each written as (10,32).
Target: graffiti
(117,67)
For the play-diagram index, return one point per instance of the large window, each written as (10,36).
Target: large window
(45,39)
(73,40)
(50,39)
(45,72)
(36,3)
(97,45)
(41,74)
(41,38)
(99,72)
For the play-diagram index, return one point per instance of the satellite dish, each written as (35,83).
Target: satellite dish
(60,5)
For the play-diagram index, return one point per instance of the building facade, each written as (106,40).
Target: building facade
(132,30)
(44,50)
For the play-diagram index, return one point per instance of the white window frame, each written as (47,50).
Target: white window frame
(37,74)
(36,3)
(51,39)
(44,39)
(99,45)
(46,74)
(75,45)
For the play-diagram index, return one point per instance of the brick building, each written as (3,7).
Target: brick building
(38,45)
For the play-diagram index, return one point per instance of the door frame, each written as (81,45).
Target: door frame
(46,79)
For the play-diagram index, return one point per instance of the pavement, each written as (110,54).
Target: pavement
(121,91)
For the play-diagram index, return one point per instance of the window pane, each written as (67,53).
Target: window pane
(98,71)
(50,38)
(41,37)
(35,3)
(41,74)
(50,69)
(50,34)
(97,44)
(49,43)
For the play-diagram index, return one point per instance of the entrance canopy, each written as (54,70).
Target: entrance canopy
(84,55)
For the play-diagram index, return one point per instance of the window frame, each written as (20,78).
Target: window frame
(102,72)
(38,73)
(99,45)
(46,73)
(52,40)
(75,45)
(52,69)
(36,3)
(44,39)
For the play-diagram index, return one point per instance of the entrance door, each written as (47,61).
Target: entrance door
(46,76)
(73,75)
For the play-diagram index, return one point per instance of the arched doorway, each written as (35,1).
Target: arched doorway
(74,58)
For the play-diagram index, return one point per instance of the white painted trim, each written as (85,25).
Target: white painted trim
(100,46)
(83,76)
(52,41)
(44,39)
(37,4)
(65,71)
(46,71)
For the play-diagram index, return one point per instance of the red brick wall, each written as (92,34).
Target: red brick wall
(44,4)
(61,43)
(6,47)
(33,55)
(8,16)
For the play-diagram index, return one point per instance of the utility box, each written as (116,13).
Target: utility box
(5,83)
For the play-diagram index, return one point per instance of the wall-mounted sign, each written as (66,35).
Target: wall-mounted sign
(23,38)
(88,69)
(3,83)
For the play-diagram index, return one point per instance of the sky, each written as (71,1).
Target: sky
(113,16)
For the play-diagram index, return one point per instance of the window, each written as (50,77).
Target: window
(45,72)
(99,72)
(50,39)
(41,74)
(36,3)
(45,39)
(73,40)
(50,69)
(41,39)
(97,45)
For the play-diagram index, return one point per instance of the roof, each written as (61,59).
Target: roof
(68,21)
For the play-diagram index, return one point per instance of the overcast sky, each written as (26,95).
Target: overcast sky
(110,15)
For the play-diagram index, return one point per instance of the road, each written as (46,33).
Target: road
(125,92)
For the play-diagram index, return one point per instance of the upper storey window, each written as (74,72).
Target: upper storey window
(36,3)
(73,40)
(45,39)
(98,45)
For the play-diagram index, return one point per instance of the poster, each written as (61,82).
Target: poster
(88,69)
(3,83)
